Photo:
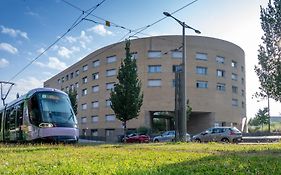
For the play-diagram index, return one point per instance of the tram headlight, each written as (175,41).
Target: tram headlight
(46,125)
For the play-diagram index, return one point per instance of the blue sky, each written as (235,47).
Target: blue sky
(27,27)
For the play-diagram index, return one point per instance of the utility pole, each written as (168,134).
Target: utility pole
(182,119)
(4,96)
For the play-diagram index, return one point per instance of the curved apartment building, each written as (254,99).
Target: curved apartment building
(215,84)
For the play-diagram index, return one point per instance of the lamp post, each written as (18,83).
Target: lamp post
(182,119)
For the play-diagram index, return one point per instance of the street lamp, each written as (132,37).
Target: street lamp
(182,119)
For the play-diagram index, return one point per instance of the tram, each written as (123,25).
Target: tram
(43,114)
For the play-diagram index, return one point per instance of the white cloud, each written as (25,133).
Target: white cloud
(100,30)
(22,86)
(71,39)
(83,38)
(40,50)
(64,52)
(8,47)
(13,32)
(54,63)
(3,62)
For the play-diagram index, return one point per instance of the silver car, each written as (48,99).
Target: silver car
(168,136)
(219,134)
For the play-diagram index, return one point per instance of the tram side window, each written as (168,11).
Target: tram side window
(7,121)
(12,118)
(1,113)
(34,111)
(19,114)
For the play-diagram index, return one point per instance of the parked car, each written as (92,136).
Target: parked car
(219,134)
(168,136)
(137,138)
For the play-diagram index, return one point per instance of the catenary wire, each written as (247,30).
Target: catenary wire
(76,22)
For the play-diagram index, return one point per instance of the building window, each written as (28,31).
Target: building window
(242,93)
(66,77)
(109,132)
(62,79)
(72,87)
(95,104)
(95,88)
(77,85)
(134,55)
(85,68)
(84,80)
(77,73)
(59,81)
(154,83)
(242,68)
(234,102)
(154,68)
(84,106)
(154,54)
(108,103)
(84,120)
(242,80)
(67,89)
(243,104)
(84,92)
(233,64)
(110,117)
(94,132)
(234,89)
(109,86)
(111,59)
(201,56)
(220,86)
(234,76)
(220,73)
(110,72)
(96,63)
(71,75)
(177,68)
(220,60)
(201,70)
(95,76)
(176,54)
(202,84)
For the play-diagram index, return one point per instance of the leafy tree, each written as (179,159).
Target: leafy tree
(261,118)
(73,99)
(269,65)
(126,97)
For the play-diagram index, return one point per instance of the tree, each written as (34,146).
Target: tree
(126,97)
(269,65)
(73,99)
(261,118)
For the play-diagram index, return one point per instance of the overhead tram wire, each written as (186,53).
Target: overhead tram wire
(146,27)
(76,22)
(129,30)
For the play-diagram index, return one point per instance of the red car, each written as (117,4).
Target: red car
(137,138)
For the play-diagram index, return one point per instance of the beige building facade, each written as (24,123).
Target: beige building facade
(215,84)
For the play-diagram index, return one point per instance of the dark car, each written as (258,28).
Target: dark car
(137,138)
(219,134)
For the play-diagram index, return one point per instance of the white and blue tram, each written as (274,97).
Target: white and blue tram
(43,114)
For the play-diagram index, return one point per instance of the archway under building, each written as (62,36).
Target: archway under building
(165,120)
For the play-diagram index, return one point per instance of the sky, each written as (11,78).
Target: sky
(28,27)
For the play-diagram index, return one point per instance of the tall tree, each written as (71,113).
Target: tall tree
(261,118)
(269,65)
(73,99)
(126,97)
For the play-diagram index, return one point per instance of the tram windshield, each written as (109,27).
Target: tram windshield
(53,108)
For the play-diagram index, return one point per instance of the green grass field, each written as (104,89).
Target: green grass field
(169,158)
